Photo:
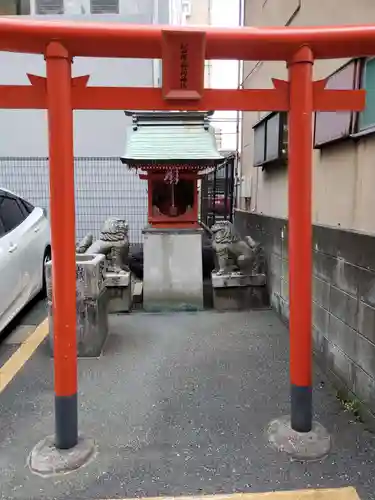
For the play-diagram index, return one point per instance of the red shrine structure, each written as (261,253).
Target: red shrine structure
(172,150)
(183,52)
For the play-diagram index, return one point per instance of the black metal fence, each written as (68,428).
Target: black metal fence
(217,194)
(103,188)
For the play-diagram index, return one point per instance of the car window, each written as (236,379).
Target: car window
(26,205)
(10,213)
(2,230)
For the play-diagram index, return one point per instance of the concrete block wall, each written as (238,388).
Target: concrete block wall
(343,297)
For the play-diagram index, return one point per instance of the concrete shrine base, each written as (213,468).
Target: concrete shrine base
(91,304)
(236,292)
(173,276)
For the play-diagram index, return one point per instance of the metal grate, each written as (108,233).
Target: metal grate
(105,6)
(103,188)
(49,7)
(217,194)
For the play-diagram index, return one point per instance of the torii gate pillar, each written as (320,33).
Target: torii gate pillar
(300,237)
(61,173)
(298,434)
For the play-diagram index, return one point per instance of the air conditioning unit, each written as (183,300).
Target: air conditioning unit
(105,6)
(57,7)
(186,8)
(246,187)
(48,7)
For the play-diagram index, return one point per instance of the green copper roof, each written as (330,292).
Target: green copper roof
(167,137)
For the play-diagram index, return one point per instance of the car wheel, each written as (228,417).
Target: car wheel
(46,258)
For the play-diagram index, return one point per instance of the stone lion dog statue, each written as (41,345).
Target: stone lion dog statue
(113,242)
(234,255)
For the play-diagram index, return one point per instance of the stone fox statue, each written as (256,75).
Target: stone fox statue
(234,255)
(113,242)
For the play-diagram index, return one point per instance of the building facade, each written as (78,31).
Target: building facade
(198,13)
(103,187)
(343,200)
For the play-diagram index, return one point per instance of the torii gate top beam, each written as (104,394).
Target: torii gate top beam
(97,39)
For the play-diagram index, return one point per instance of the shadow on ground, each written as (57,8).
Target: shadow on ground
(178,404)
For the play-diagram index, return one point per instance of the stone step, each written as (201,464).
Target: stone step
(137,292)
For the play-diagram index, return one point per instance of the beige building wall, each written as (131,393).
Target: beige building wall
(201,14)
(344,174)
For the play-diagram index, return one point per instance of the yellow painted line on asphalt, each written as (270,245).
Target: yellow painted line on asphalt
(348,493)
(18,359)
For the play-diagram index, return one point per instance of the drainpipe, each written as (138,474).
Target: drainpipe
(155,62)
(209,68)
(238,171)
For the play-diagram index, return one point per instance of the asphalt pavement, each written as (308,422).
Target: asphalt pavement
(178,405)
(23,325)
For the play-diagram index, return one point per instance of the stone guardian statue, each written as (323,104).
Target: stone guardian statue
(113,242)
(234,255)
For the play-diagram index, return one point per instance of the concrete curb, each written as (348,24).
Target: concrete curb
(309,446)
(46,460)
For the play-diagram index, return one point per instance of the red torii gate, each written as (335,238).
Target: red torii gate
(183,51)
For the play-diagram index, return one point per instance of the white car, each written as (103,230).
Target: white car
(25,247)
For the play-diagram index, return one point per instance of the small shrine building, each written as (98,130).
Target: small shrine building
(172,151)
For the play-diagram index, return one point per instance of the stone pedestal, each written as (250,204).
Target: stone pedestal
(235,292)
(91,302)
(173,277)
(120,292)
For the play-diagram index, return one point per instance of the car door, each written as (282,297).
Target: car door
(35,235)
(24,228)
(11,259)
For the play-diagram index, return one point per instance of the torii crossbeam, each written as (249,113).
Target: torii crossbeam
(183,52)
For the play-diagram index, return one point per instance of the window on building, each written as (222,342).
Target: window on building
(271,133)
(331,127)
(271,140)
(337,126)
(366,119)
(14,7)
(49,7)
(104,6)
